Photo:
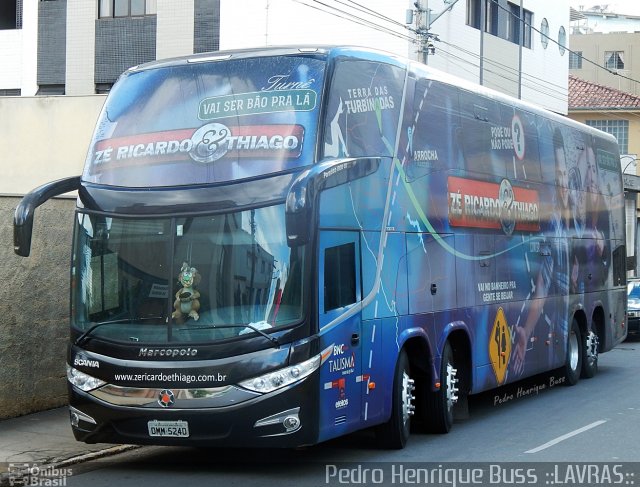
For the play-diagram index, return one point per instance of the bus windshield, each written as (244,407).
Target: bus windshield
(188,279)
(207,122)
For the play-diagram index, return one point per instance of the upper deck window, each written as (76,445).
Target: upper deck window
(207,122)
(363,109)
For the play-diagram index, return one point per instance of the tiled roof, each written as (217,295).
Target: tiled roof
(584,95)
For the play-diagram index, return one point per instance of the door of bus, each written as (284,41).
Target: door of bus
(339,307)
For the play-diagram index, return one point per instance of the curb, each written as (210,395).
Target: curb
(17,477)
(114,450)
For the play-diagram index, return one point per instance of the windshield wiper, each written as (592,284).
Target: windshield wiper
(80,340)
(272,339)
(89,330)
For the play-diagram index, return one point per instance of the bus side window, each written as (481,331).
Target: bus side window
(434,130)
(339,276)
(516,143)
(483,136)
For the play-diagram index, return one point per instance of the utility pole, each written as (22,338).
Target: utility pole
(520,44)
(424,20)
(483,26)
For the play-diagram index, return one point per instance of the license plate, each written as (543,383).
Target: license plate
(171,429)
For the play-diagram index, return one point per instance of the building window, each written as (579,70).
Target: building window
(103,88)
(575,60)
(48,90)
(491,18)
(126,8)
(562,40)
(544,33)
(10,92)
(614,59)
(473,13)
(514,23)
(10,14)
(618,128)
(499,21)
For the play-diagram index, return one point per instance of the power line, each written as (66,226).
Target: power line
(610,114)
(349,16)
(554,87)
(355,19)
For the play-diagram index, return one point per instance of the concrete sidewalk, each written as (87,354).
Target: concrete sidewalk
(45,440)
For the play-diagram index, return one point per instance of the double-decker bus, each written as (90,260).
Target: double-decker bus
(276,247)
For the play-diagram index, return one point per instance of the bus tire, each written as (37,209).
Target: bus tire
(440,404)
(590,357)
(393,434)
(573,362)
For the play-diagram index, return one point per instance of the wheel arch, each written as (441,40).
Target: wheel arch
(598,327)
(462,355)
(581,317)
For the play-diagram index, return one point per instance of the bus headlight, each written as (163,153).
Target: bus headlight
(283,377)
(83,381)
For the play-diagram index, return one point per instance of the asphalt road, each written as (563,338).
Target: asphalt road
(598,420)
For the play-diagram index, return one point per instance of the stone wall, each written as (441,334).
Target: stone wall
(34,309)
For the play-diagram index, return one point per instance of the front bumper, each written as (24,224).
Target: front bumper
(267,420)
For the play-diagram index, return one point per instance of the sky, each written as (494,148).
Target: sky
(629,7)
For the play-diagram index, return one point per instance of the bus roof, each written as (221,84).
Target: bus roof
(322,51)
(333,51)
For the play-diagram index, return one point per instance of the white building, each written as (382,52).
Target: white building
(602,19)
(491,56)
(80,46)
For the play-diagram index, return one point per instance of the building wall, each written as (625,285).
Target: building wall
(544,71)
(187,26)
(632,117)
(11,59)
(122,43)
(275,22)
(44,138)
(52,38)
(29,51)
(175,28)
(279,22)
(206,29)
(34,305)
(80,47)
(593,47)
(605,23)
(18,51)
(547,77)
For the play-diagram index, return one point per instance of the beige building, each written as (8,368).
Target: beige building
(611,110)
(608,59)
(618,113)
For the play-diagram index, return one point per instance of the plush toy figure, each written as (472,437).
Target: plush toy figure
(187,303)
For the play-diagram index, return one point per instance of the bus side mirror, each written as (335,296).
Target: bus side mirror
(302,198)
(23,216)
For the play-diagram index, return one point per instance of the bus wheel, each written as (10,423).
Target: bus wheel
(590,361)
(439,415)
(573,363)
(393,434)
